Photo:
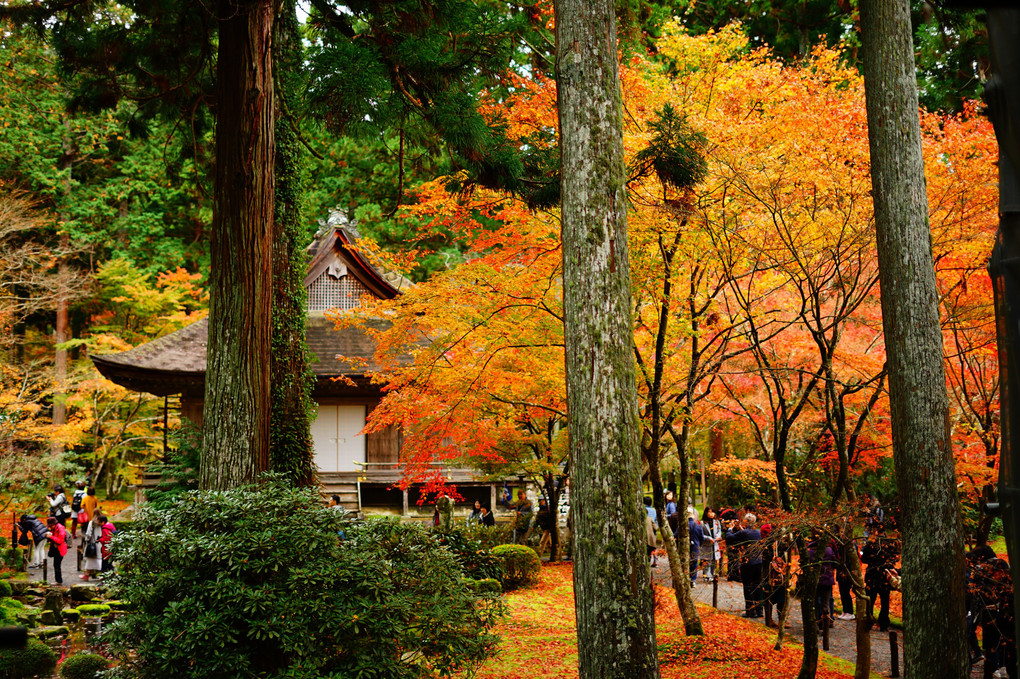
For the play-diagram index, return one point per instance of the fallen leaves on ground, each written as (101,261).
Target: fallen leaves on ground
(540,639)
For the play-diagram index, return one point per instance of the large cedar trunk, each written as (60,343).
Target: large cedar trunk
(613,596)
(291,376)
(235,432)
(930,521)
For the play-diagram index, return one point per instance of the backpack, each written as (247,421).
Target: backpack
(76,501)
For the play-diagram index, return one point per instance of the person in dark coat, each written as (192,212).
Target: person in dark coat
(487,518)
(728,517)
(544,522)
(991,592)
(746,539)
(880,554)
(31,525)
(826,576)
(845,580)
(694,539)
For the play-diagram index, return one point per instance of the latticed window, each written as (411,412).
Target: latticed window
(327,292)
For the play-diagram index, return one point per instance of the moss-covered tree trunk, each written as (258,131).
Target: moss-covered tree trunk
(933,572)
(613,596)
(235,422)
(290,374)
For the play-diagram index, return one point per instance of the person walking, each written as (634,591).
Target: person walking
(93,561)
(90,503)
(57,535)
(695,538)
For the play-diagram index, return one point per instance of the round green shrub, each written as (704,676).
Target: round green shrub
(84,665)
(213,582)
(93,610)
(521,565)
(5,589)
(35,658)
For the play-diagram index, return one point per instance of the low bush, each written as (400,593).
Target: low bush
(256,581)
(5,589)
(35,658)
(483,587)
(475,560)
(521,565)
(489,536)
(83,665)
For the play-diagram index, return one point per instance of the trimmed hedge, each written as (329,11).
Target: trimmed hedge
(521,565)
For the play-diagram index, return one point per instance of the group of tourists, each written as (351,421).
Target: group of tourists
(759,560)
(53,538)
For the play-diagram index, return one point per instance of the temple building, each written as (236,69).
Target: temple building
(361,468)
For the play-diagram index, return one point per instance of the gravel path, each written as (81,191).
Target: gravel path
(842,636)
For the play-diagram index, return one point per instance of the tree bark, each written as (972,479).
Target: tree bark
(613,596)
(933,572)
(291,376)
(810,569)
(235,425)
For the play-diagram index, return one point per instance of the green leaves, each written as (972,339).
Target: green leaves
(257,581)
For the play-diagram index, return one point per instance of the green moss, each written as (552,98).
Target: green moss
(118,605)
(34,659)
(93,610)
(85,665)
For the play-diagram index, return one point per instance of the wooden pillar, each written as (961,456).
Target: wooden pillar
(492,497)
(404,510)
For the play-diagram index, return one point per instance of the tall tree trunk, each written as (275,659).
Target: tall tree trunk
(60,334)
(291,376)
(852,561)
(922,449)
(235,424)
(808,581)
(613,595)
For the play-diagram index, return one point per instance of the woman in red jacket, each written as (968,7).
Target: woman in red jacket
(58,547)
